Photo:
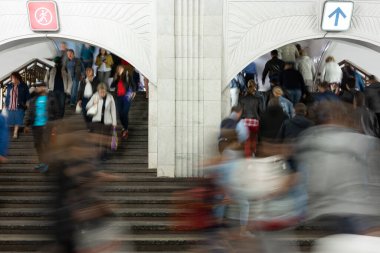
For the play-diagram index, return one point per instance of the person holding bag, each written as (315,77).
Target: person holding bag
(87,88)
(103,110)
(125,92)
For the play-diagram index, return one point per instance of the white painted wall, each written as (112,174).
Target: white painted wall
(18,55)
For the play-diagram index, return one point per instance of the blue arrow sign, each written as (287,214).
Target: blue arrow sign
(337,13)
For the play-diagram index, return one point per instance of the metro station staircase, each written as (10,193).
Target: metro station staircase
(145,203)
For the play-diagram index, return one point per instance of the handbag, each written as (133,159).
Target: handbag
(78,109)
(256,178)
(93,109)
(114,140)
(129,94)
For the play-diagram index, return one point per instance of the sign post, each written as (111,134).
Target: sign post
(43,16)
(337,16)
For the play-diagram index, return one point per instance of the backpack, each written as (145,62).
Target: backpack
(226,137)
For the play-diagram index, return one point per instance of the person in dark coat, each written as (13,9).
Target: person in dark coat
(15,102)
(271,121)
(274,67)
(372,96)
(347,94)
(252,109)
(366,120)
(293,127)
(292,82)
(324,94)
(87,88)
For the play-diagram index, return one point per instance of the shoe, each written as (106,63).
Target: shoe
(42,168)
(124,134)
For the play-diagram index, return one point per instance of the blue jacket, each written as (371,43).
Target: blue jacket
(4,136)
(23,95)
(239,83)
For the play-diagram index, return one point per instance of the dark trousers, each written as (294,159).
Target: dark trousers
(84,111)
(61,97)
(122,106)
(40,142)
(102,130)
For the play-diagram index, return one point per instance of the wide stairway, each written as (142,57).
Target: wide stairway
(144,204)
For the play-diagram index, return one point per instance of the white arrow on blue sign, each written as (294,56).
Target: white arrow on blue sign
(337,15)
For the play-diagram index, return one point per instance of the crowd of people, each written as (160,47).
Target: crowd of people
(319,140)
(102,99)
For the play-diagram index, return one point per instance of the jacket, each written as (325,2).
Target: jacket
(291,79)
(274,67)
(288,53)
(271,122)
(82,86)
(238,82)
(338,162)
(331,73)
(52,109)
(293,127)
(287,106)
(23,95)
(252,106)
(67,81)
(109,112)
(127,82)
(77,70)
(108,62)
(372,97)
(306,67)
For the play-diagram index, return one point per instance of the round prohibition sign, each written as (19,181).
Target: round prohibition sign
(43,16)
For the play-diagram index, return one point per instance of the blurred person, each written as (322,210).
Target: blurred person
(63,52)
(372,96)
(125,92)
(289,53)
(307,69)
(252,109)
(338,161)
(366,119)
(75,69)
(271,121)
(234,123)
(347,94)
(324,93)
(105,118)
(81,215)
(104,62)
(293,83)
(274,67)
(286,105)
(292,127)
(4,139)
(250,72)
(332,73)
(237,87)
(42,108)
(299,48)
(146,86)
(87,55)
(59,82)
(16,102)
(87,88)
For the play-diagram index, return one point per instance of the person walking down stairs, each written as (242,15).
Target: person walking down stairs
(42,108)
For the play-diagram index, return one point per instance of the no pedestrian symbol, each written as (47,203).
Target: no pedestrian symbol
(337,16)
(43,15)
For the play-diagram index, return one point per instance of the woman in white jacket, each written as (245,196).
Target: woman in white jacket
(332,73)
(104,117)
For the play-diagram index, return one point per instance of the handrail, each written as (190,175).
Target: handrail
(361,71)
(31,70)
(25,67)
